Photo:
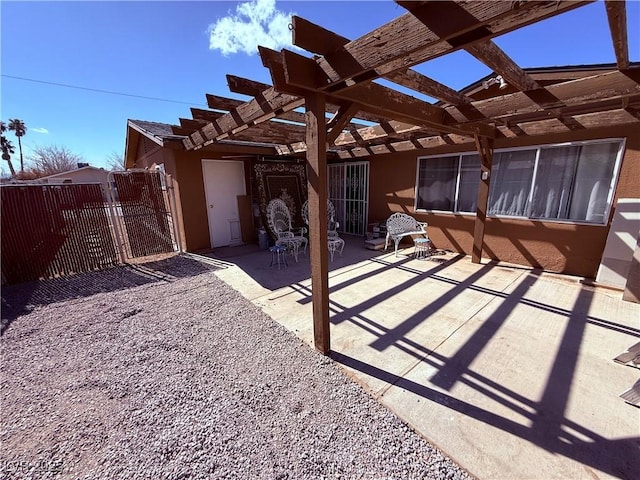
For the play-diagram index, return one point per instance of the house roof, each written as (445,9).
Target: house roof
(366,118)
(75,170)
(164,132)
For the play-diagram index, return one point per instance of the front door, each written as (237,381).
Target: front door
(223,182)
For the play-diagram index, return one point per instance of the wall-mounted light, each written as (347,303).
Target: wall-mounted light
(502,83)
(485,175)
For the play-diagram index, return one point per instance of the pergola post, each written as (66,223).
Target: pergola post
(316,134)
(485,150)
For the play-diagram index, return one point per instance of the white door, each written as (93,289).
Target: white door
(223,182)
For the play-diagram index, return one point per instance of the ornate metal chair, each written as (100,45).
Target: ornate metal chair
(334,242)
(279,221)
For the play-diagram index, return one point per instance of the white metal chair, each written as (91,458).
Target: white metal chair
(401,225)
(279,221)
(334,242)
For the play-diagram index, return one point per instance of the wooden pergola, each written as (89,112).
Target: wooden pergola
(348,115)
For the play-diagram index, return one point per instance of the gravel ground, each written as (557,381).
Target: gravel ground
(162,371)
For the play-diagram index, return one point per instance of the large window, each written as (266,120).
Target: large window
(571,182)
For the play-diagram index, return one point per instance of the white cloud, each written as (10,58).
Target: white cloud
(254,23)
(39,130)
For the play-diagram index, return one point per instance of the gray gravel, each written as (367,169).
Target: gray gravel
(165,372)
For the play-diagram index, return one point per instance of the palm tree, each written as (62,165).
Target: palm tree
(19,129)
(7,148)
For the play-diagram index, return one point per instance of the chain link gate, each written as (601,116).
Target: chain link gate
(142,212)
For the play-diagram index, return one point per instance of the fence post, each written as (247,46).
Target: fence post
(171,194)
(119,239)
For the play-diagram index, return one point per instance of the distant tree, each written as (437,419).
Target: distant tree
(52,159)
(19,129)
(7,148)
(115,161)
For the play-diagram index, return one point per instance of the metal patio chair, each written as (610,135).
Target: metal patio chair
(279,221)
(334,242)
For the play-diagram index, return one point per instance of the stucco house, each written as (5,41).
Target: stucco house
(551,201)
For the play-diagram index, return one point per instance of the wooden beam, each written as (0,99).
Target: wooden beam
(406,41)
(176,130)
(276,131)
(339,121)
(435,18)
(191,124)
(491,55)
(317,187)
(498,61)
(249,113)
(595,106)
(485,151)
(583,91)
(250,87)
(255,89)
(273,61)
(605,115)
(319,40)
(377,99)
(423,84)
(222,103)
(202,114)
(617,16)
(245,86)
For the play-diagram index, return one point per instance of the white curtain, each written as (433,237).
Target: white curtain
(592,180)
(511,176)
(554,181)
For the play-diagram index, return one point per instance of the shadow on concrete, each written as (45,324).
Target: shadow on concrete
(549,428)
(256,263)
(616,457)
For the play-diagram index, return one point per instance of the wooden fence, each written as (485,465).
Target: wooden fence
(54,230)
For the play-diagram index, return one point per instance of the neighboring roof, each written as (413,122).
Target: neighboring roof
(75,170)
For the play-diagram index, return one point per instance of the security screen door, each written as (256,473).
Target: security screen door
(349,193)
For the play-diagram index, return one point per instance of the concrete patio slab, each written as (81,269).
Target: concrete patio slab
(509,370)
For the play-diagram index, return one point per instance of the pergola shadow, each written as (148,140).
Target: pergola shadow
(617,457)
(547,426)
(541,418)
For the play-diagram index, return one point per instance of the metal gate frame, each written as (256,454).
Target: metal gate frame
(349,193)
(124,234)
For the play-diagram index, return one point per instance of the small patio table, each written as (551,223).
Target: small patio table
(335,244)
(278,255)
(422,248)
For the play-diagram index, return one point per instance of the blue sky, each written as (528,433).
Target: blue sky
(164,50)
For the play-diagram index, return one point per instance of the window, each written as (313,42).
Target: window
(572,182)
(511,176)
(448,183)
